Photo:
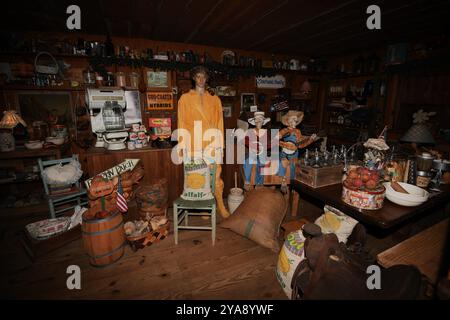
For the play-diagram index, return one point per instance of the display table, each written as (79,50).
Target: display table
(391,215)
(157,164)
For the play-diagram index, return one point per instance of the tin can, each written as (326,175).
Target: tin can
(130,145)
(141,135)
(133,136)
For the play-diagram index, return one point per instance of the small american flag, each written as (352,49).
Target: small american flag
(121,202)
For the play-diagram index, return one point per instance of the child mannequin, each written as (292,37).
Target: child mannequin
(291,139)
(256,152)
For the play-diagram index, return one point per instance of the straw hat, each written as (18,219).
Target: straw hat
(298,114)
(258,114)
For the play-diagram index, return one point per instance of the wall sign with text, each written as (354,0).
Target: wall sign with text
(274,82)
(159,100)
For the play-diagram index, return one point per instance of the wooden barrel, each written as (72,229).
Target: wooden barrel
(103,239)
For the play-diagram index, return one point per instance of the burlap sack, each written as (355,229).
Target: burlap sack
(259,217)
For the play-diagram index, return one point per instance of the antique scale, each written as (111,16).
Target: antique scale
(106,108)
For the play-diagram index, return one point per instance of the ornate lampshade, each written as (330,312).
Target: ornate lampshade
(11,119)
(418,133)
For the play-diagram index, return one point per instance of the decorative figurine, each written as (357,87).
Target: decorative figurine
(291,139)
(256,153)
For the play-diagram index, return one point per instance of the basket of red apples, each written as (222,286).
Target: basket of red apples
(363,188)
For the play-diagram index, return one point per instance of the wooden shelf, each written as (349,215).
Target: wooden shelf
(32,54)
(353,75)
(31,210)
(213,66)
(40,88)
(21,152)
(12,180)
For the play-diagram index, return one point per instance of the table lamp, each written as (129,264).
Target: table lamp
(9,121)
(418,134)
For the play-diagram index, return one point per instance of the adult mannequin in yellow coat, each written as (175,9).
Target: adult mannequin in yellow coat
(196,107)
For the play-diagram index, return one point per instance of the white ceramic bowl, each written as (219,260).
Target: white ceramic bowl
(34,144)
(415,197)
(55,140)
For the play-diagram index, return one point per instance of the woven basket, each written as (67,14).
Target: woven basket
(149,238)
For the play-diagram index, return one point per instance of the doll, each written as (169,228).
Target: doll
(256,149)
(291,139)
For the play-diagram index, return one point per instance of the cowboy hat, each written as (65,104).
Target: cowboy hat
(258,114)
(298,114)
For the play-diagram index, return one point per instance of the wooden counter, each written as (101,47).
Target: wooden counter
(391,215)
(157,164)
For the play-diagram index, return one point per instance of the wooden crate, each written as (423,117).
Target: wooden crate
(319,177)
(37,248)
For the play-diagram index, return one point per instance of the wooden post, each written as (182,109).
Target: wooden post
(294,203)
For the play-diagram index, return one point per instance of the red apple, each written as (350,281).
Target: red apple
(365,177)
(352,174)
(374,175)
(371,184)
(357,183)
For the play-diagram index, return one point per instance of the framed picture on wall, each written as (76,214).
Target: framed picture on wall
(158,79)
(247,100)
(227,109)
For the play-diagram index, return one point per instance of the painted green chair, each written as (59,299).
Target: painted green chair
(182,209)
(68,200)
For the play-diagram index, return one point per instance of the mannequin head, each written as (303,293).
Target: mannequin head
(292,118)
(200,76)
(292,121)
(259,121)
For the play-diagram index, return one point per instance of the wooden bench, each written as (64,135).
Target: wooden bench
(423,250)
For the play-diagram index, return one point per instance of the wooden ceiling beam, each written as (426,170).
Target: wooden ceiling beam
(300,23)
(205,18)
(377,40)
(237,16)
(260,18)
(155,19)
(405,11)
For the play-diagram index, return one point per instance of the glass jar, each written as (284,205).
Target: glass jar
(88,77)
(59,131)
(134,80)
(40,130)
(98,80)
(109,82)
(120,79)
(113,116)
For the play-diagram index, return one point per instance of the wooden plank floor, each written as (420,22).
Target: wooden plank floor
(425,250)
(235,268)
